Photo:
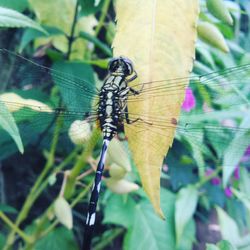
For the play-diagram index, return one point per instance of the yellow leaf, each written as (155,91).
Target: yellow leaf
(57,13)
(159,37)
(62,18)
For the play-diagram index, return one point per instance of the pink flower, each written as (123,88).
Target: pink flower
(228,192)
(165,167)
(209,171)
(237,173)
(247,152)
(246,156)
(189,102)
(215,180)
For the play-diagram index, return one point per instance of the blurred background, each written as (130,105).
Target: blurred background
(75,37)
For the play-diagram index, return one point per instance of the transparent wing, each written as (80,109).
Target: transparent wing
(37,124)
(220,97)
(215,110)
(17,71)
(233,77)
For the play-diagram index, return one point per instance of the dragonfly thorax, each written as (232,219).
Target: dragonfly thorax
(112,103)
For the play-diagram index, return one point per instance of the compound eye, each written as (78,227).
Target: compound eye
(129,65)
(113,64)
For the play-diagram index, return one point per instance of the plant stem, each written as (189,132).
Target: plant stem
(44,219)
(79,165)
(14,227)
(65,162)
(31,196)
(107,240)
(102,17)
(74,202)
(71,37)
(206,179)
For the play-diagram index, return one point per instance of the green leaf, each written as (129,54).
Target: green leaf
(235,150)
(242,197)
(59,239)
(7,122)
(18,5)
(97,43)
(30,34)
(211,247)
(228,227)
(150,232)
(222,245)
(119,210)
(225,245)
(7,209)
(90,7)
(82,71)
(13,19)
(245,181)
(2,241)
(185,206)
(188,236)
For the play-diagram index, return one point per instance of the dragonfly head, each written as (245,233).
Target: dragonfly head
(121,65)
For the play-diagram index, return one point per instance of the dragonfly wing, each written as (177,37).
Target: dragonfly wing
(233,77)
(24,80)
(19,72)
(219,103)
(36,125)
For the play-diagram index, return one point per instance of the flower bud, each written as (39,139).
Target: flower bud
(211,35)
(121,186)
(117,154)
(63,212)
(218,9)
(52,179)
(79,132)
(117,172)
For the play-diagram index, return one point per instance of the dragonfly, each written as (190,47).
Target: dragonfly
(221,96)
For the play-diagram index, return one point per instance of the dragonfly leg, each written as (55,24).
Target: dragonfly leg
(135,120)
(135,92)
(133,77)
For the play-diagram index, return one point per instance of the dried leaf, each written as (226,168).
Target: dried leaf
(159,37)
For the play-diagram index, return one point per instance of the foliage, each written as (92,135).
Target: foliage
(195,184)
